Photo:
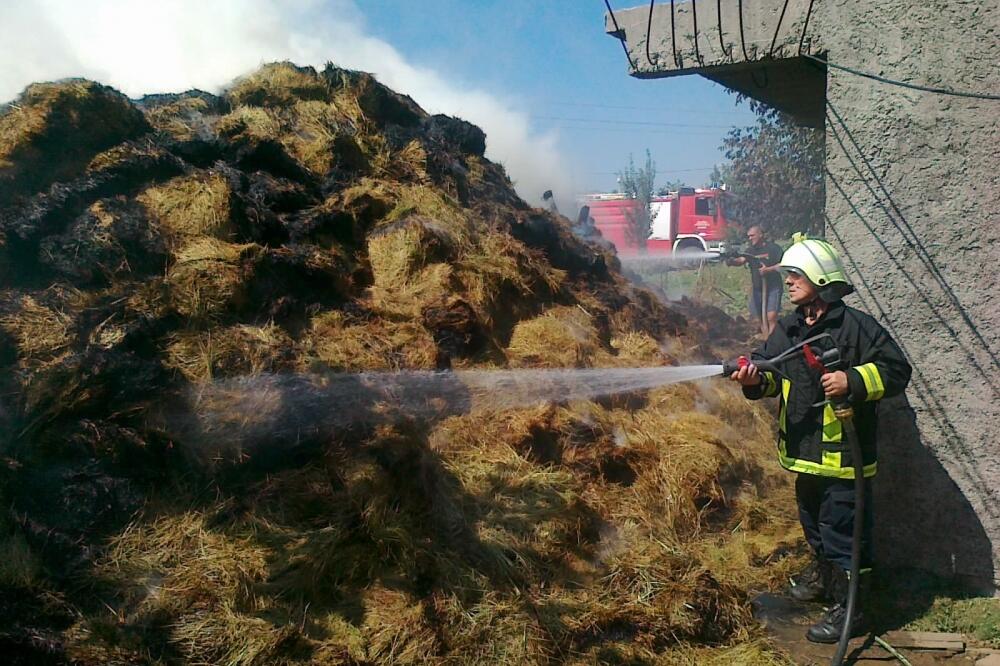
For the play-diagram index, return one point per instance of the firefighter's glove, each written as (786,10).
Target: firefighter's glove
(835,384)
(746,376)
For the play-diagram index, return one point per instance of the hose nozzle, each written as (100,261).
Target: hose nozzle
(828,359)
(729,367)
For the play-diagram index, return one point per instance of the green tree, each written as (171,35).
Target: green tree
(670,186)
(718,176)
(776,170)
(638,184)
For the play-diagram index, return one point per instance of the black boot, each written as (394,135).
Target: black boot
(829,628)
(813,582)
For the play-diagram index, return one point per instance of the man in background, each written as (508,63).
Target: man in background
(762,258)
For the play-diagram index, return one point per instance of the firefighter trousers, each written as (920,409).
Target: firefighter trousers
(826,511)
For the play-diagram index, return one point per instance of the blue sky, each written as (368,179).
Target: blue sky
(568,74)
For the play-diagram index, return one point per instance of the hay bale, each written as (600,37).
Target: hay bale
(562,337)
(42,333)
(190,116)
(638,349)
(689,463)
(409,163)
(322,137)
(347,216)
(267,194)
(373,344)
(127,312)
(399,250)
(249,124)
(455,326)
(656,590)
(380,104)
(209,277)
(318,135)
(277,84)
(232,351)
(459,136)
(52,131)
(506,281)
(298,278)
(427,289)
(430,203)
(200,204)
(110,241)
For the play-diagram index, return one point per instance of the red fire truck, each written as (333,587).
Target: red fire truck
(689,220)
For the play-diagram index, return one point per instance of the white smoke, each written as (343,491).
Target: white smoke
(175,45)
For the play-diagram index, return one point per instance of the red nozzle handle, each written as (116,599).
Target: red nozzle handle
(729,367)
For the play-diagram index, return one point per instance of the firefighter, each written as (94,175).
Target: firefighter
(809,437)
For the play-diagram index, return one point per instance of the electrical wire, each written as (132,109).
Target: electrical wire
(613,121)
(658,170)
(621,37)
(903,84)
(634,130)
(634,107)
(905,230)
(924,393)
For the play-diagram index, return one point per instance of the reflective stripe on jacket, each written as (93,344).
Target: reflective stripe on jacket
(809,437)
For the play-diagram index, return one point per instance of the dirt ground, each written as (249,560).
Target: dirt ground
(786,621)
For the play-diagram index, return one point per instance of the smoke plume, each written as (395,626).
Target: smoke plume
(176,45)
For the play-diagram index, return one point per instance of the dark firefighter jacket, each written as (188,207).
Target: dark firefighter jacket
(809,437)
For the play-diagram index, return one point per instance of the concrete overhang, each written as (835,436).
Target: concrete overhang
(757,51)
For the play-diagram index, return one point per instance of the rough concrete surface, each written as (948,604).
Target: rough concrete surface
(912,200)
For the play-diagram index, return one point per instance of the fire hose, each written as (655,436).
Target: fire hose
(842,409)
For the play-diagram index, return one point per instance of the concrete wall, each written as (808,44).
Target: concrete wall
(913,201)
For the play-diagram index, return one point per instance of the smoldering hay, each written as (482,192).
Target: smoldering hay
(314,222)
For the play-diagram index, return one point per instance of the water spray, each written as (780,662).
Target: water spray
(677,260)
(234,418)
(231,415)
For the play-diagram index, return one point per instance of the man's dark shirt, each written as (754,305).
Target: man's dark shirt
(764,254)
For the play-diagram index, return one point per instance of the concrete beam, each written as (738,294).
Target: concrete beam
(762,61)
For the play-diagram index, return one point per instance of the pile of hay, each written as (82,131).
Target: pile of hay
(316,222)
